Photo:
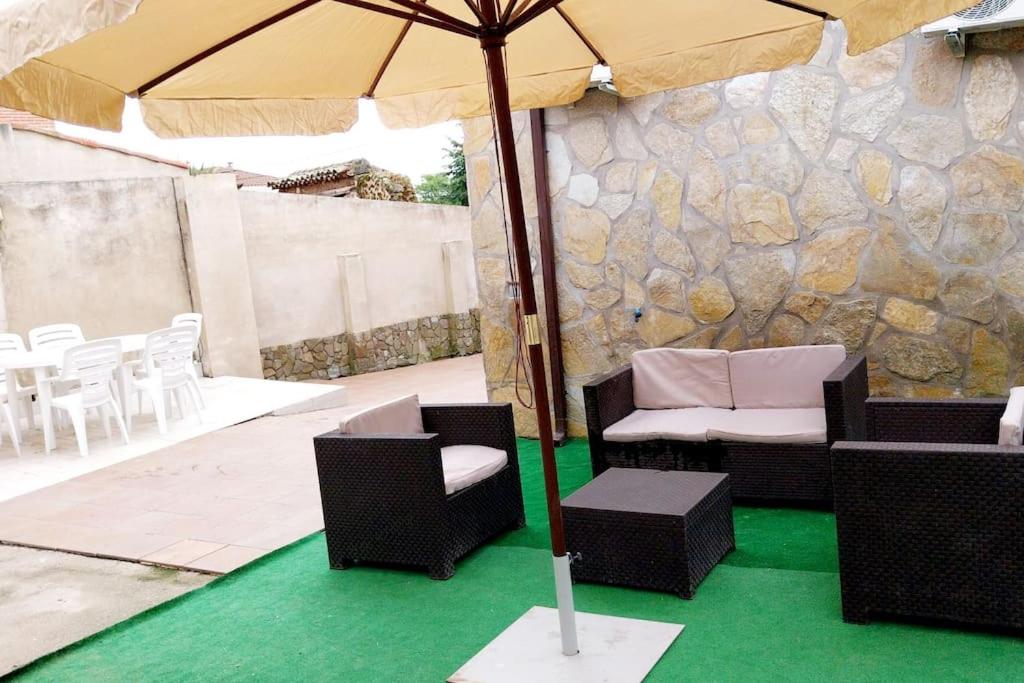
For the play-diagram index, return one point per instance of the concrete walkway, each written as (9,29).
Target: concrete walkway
(53,599)
(222,499)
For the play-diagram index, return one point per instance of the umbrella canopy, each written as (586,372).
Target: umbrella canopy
(237,67)
(261,67)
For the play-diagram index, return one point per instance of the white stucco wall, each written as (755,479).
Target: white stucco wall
(27,156)
(104,254)
(294,245)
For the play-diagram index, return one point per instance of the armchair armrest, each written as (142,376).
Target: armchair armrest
(846,390)
(951,421)
(478,424)
(379,472)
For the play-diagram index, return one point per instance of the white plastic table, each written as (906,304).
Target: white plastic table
(41,362)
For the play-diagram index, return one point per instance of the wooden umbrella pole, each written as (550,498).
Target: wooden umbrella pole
(492,42)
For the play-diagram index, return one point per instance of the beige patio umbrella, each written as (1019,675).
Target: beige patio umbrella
(260,67)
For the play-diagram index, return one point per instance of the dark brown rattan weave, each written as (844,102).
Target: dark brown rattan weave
(966,420)
(931,531)
(773,472)
(649,529)
(384,500)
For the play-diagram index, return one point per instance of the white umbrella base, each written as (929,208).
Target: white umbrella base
(612,649)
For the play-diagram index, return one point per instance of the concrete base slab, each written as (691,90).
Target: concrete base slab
(612,650)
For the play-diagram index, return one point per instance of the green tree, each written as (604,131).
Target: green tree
(449,186)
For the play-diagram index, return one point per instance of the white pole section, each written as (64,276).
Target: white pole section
(566,608)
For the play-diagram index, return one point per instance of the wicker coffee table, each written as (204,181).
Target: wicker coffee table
(649,529)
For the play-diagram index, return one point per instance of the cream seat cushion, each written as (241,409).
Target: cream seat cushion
(679,424)
(681,378)
(763,425)
(466,465)
(1011,424)
(788,377)
(400,416)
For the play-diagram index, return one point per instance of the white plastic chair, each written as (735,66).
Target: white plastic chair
(12,343)
(196,320)
(61,335)
(91,366)
(165,364)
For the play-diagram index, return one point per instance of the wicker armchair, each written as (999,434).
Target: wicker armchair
(930,515)
(775,472)
(384,497)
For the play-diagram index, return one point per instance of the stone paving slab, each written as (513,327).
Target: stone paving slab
(220,500)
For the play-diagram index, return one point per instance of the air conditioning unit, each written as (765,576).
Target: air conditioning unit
(988,15)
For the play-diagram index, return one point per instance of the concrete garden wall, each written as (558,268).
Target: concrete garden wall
(870,201)
(291,287)
(350,285)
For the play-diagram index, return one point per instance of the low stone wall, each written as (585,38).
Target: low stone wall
(384,348)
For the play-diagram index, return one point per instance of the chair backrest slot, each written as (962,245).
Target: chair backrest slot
(92,365)
(169,352)
(9,343)
(57,336)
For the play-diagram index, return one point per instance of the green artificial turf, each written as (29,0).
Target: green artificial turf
(770,611)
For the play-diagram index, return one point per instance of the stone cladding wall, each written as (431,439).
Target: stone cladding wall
(871,201)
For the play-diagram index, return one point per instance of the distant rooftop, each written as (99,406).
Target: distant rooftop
(21,120)
(323,174)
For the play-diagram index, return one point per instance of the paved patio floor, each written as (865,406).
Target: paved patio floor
(215,502)
(229,401)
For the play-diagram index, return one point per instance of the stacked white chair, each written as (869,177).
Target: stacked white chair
(196,320)
(61,335)
(91,366)
(57,336)
(166,364)
(12,343)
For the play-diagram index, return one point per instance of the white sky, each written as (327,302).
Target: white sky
(414,152)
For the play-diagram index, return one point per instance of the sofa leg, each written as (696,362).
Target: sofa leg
(442,571)
(342,563)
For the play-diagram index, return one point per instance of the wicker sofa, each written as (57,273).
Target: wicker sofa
(930,515)
(419,497)
(820,384)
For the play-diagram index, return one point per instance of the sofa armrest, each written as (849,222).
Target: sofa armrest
(846,390)
(475,424)
(956,421)
(607,400)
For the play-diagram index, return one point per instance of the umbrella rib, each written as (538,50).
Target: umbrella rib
(508,11)
(528,15)
(475,10)
(799,8)
(511,16)
(228,42)
(416,6)
(387,60)
(454,26)
(579,34)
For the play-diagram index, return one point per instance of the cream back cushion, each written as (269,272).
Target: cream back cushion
(400,416)
(1011,424)
(681,378)
(787,377)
